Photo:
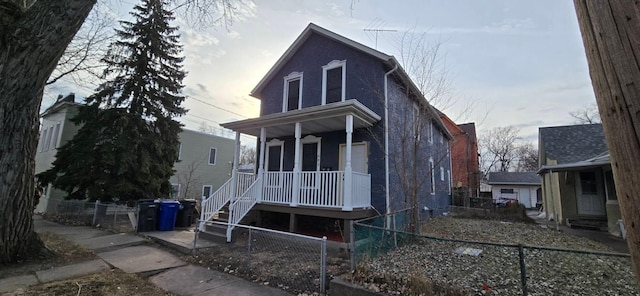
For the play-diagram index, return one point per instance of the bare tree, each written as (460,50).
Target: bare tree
(498,149)
(81,61)
(247,154)
(35,34)
(527,158)
(188,180)
(587,115)
(610,33)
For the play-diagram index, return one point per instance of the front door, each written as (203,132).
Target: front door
(358,157)
(310,165)
(589,193)
(273,179)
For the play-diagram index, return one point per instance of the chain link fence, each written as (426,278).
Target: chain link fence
(296,263)
(118,218)
(385,254)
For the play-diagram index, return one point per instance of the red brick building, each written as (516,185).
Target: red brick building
(464,159)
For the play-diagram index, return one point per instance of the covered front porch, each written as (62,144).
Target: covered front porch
(303,162)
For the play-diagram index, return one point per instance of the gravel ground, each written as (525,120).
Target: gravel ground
(432,267)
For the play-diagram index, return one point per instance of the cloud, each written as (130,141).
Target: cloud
(190,37)
(233,35)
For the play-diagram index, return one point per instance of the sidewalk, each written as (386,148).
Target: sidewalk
(131,254)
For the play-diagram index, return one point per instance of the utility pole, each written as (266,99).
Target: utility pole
(611,36)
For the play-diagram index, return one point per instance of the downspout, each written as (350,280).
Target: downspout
(386,136)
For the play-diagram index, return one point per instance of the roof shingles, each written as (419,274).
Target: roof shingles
(572,143)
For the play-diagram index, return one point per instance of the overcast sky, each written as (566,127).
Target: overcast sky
(520,63)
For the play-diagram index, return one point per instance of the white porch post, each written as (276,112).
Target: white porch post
(348,171)
(234,170)
(260,176)
(296,167)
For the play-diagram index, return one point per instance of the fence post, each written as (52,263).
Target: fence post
(523,270)
(95,212)
(352,249)
(323,265)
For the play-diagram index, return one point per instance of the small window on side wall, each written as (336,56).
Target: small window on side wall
(507,190)
(212,156)
(206,190)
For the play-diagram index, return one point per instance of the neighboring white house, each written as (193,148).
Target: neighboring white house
(204,161)
(525,187)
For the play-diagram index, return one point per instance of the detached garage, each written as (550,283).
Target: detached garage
(525,187)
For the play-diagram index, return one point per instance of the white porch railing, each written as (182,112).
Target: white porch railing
(216,201)
(278,187)
(320,189)
(242,205)
(323,189)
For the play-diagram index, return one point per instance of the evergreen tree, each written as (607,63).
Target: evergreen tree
(128,142)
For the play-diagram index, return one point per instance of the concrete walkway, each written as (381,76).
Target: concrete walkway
(132,254)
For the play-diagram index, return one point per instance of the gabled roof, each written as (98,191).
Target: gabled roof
(514,178)
(61,103)
(385,58)
(572,143)
(308,31)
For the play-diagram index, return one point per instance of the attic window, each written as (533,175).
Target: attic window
(292,97)
(333,82)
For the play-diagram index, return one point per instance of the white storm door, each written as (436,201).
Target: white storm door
(590,194)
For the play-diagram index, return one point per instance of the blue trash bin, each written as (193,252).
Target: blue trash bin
(167,214)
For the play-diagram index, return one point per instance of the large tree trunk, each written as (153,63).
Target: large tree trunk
(611,36)
(31,42)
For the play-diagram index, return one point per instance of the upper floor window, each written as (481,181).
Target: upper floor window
(292,97)
(333,82)
(180,151)
(212,155)
(430,132)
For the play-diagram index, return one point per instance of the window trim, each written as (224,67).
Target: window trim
(441,173)
(430,136)
(180,151)
(285,91)
(47,143)
(330,66)
(55,140)
(215,156)
(273,143)
(433,177)
(43,138)
(210,190)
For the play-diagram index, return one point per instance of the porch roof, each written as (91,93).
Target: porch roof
(598,161)
(316,119)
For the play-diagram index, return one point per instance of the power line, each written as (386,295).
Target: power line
(212,105)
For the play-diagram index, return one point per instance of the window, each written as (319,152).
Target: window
(588,183)
(54,139)
(206,190)
(212,156)
(43,139)
(430,132)
(292,92)
(333,82)
(175,191)
(507,190)
(180,151)
(47,142)
(433,177)
(441,174)
(416,121)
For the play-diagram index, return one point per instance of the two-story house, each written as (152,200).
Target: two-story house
(204,161)
(343,134)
